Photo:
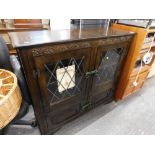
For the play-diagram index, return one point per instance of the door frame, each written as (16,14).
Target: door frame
(41,60)
(99,51)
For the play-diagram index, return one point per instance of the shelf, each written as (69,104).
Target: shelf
(129,90)
(144,51)
(150,30)
(28,25)
(144,69)
(13,52)
(11,28)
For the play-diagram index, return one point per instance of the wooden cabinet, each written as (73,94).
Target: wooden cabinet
(152,70)
(70,76)
(62,79)
(132,71)
(108,66)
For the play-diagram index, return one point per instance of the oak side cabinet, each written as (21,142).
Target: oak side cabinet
(71,71)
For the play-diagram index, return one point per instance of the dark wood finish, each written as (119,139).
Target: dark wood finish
(41,52)
(106,84)
(23,39)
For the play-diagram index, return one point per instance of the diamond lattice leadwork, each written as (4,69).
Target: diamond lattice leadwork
(108,65)
(64,78)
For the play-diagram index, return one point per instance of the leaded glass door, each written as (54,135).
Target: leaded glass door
(62,82)
(108,66)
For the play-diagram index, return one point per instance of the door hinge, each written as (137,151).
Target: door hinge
(36,73)
(93,72)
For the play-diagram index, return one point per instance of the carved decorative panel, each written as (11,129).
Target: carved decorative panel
(114,40)
(46,50)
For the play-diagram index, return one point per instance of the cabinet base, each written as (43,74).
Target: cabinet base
(51,131)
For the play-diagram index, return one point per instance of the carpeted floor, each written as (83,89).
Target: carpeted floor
(134,115)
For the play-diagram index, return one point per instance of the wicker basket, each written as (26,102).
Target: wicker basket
(10,97)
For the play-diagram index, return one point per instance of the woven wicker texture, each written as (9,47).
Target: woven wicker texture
(10,97)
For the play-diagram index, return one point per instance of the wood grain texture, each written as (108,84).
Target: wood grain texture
(51,115)
(132,56)
(23,39)
(10,97)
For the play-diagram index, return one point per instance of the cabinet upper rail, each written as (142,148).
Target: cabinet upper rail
(22,39)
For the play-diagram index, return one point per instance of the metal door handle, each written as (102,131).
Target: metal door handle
(93,72)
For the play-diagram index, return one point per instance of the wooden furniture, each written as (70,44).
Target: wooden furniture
(70,71)
(11,26)
(19,25)
(140,46)
(10,97)
(28,23)
(152,70)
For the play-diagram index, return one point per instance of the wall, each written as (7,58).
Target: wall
(57,24)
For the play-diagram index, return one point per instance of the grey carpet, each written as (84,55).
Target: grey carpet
(134,115)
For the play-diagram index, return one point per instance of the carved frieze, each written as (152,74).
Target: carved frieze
(52,49)
(114,40)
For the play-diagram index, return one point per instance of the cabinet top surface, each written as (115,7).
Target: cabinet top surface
(28,38)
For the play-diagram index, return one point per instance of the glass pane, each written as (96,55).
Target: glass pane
(64,78)
(108,65)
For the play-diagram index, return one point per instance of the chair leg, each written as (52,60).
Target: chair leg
(2,131)
(32,123)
